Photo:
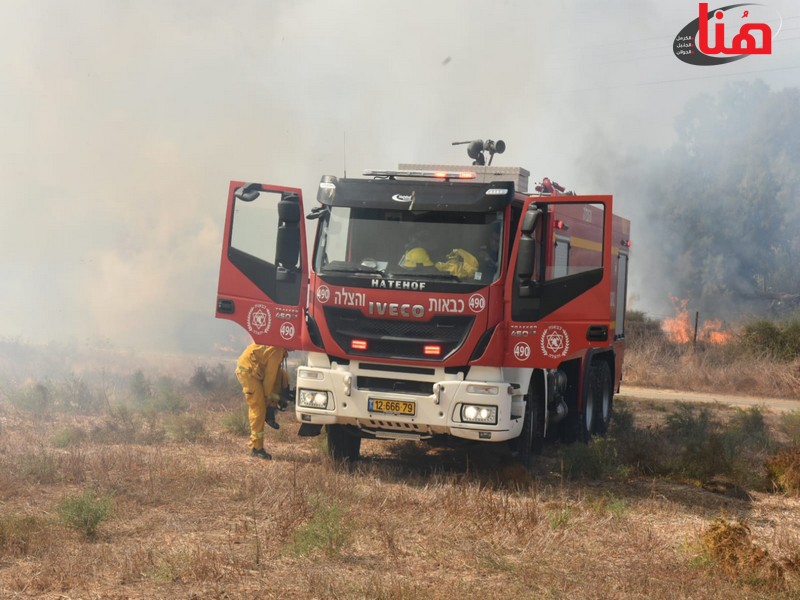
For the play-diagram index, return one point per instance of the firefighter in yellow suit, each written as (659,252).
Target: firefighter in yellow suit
(259,371)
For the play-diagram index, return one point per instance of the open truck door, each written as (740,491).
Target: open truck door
(263,275)
(560,293)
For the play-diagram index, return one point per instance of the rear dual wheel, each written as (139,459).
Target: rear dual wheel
(606,400)
(597,401)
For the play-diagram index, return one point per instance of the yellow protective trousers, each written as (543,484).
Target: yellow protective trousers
(253,389)
(259,372)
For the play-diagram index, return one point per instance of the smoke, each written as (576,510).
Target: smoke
(718,211)
(124,122)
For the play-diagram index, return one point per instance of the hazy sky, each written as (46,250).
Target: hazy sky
(124,121)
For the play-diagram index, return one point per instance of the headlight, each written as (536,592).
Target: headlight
(313,399)
(474,413)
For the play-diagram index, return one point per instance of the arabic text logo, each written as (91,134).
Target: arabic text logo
(726,34)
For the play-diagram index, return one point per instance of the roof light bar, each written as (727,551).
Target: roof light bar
(391,174)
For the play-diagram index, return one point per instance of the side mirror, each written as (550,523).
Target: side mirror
(526,255)
(248,193)
(530,219)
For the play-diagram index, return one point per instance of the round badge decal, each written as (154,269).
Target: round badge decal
(323,293)
(555,342)
(477,303)
(522,351)
(259,319)
(287,330)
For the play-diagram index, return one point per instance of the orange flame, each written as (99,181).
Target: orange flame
(680,330)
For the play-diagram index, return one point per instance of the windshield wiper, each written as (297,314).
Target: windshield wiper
(354,269)
(442,276)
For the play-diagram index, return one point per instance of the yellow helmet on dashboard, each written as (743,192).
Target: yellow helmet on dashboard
(416,257)
(460,263)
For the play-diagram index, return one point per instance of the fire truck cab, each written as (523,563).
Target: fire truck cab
(438,301)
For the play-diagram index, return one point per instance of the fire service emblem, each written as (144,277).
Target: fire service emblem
(555,342)
(258,319)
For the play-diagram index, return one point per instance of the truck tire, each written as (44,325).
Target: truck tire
(343,444)
(531,439)
(605,404)
(591,401)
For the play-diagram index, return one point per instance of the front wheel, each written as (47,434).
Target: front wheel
(343,444)
(530,440)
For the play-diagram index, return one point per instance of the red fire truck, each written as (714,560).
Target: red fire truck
(440,301)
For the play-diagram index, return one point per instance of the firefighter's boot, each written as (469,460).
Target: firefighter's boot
(271,418)
(261,453)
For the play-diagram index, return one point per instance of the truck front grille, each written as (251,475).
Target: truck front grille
(400,386)
(393,338)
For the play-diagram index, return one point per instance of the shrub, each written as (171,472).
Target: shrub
(140,386)
(184,428)
(85,512)
(237,422)
(747,443)
(641,450)
(122,426)
(19,533)
(206,379)
(776,340)
(641,329)
(69,436)
(727,543)
(326,532)
(784,470)
(703,453)
(75,395)
(592,460)
(39,467)
(166,398)
(790,426)
(35,396)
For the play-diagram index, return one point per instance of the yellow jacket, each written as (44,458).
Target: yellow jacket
(255,358)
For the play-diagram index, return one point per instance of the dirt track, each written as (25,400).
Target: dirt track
(632,393)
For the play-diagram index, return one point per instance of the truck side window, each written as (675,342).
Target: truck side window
(568,259)
(254,227)
(575,240)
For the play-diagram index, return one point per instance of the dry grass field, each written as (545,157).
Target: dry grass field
(759,358)
(121,482)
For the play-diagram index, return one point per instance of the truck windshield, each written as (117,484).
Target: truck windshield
(451,246)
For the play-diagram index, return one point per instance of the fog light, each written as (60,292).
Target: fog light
(313,399)
(309,374)
(474,413)
(489,390)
